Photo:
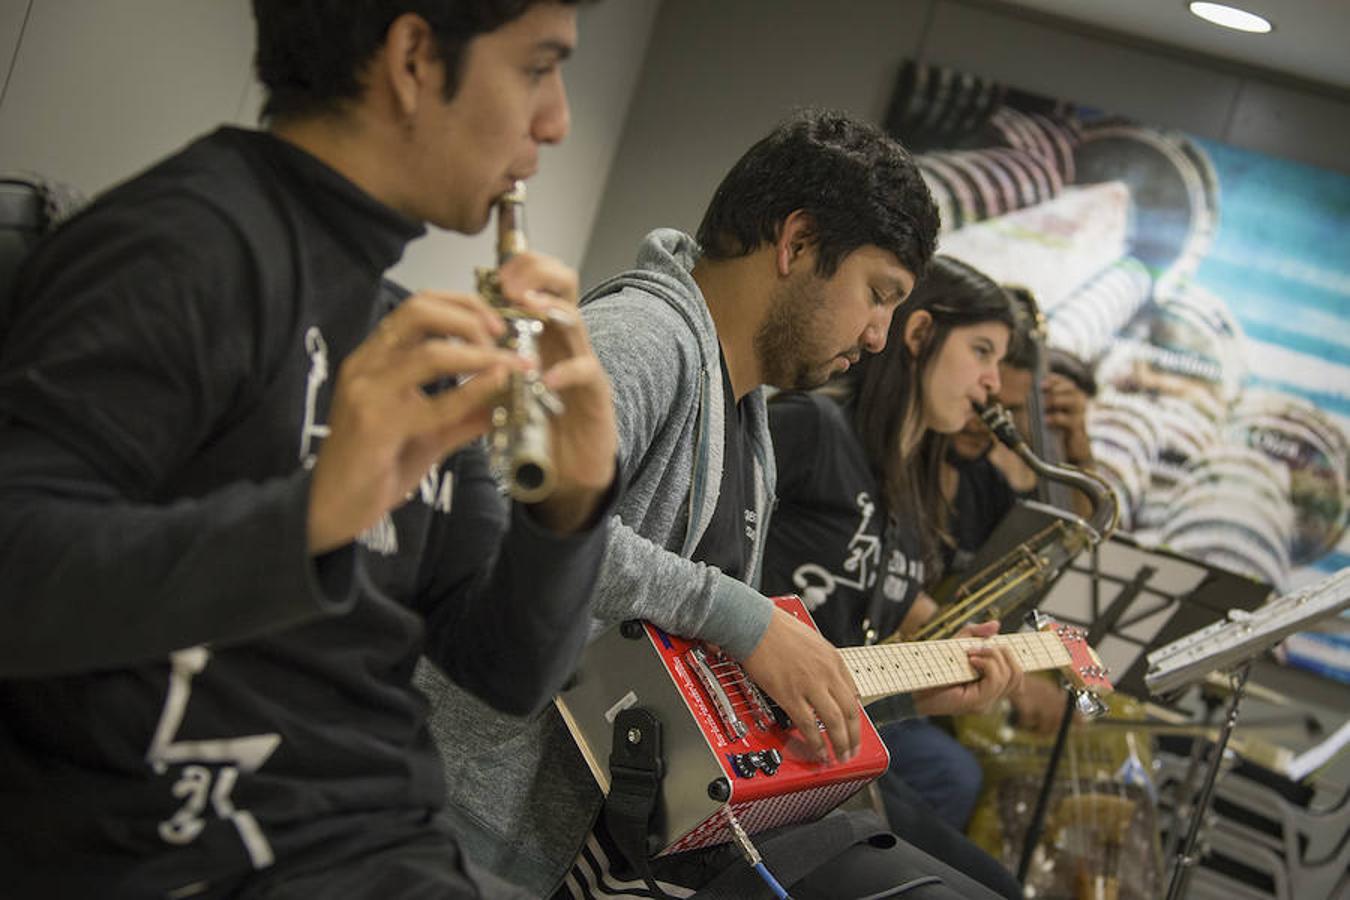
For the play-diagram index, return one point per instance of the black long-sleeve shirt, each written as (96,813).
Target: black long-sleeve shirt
(185,694)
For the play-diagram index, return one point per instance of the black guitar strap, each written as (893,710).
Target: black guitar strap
(635,771)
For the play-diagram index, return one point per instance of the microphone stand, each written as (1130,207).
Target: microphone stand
(1186,860)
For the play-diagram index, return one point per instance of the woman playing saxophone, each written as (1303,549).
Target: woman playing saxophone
(855,529)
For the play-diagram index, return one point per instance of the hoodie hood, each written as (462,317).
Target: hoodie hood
(663,272)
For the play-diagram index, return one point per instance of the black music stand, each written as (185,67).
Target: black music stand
(1232,646)
(1159,595)
(1131,599)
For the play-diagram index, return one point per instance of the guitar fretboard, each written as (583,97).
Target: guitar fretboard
(887,669)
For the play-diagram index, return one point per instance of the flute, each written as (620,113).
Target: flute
(519,444)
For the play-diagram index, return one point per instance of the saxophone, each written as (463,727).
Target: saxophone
(1002,588)
(1098,811)
(518,443)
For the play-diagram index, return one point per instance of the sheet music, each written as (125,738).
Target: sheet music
(1312,759)
(1244,634)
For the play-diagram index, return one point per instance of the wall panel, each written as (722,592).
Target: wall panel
(1303,127)
(101,89)
(12,15)
(1123,79)
(717,77)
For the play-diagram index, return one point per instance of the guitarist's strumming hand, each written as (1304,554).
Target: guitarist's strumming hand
(805,674)
(1000,675)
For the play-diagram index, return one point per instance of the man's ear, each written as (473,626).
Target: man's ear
(918,330)
(796,239)
(407,62)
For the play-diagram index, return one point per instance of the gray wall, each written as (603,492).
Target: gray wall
(94,91)
(98,90)
(719,74)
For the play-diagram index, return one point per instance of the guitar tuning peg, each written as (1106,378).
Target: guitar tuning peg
(1089,706)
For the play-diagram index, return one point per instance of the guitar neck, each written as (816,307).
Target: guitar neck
(886,669)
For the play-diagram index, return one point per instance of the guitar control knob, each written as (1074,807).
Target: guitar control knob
(744,764)
(772,760)
(747,764)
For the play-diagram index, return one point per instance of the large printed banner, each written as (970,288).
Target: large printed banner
(1208,286)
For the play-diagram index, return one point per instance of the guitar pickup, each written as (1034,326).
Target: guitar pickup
(698,663)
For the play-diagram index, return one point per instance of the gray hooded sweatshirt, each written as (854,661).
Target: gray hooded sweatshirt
(520,797)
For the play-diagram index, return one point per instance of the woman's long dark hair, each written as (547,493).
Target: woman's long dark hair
(884,393)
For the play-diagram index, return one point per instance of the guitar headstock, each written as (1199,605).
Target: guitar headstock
(1085,672)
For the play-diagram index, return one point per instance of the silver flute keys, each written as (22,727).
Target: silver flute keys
(519,450)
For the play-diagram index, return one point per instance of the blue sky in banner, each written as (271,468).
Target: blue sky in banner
(1281,263)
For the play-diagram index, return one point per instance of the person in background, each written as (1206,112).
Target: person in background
(809,244)
(855,531)
(981,478)
(233,513)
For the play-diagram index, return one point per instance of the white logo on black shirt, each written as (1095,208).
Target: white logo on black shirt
(209,768)
(436,488)
(317,349)
(900,573)
(816,583)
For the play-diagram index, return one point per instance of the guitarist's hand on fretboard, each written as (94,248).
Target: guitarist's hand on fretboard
(1000,675)
(806,676)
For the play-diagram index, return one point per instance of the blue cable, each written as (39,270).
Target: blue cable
(772,882)
(752,856)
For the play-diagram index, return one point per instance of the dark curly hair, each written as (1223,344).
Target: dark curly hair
(311,53)
(859,187)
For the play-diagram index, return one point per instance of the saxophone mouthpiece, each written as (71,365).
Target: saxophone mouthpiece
(1000,423)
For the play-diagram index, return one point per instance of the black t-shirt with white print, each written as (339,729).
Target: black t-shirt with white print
(831,541)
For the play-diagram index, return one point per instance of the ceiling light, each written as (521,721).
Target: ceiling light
(1231,17)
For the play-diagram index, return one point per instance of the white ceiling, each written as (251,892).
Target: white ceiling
(1311,39)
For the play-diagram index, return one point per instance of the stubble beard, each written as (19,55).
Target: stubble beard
(785,344)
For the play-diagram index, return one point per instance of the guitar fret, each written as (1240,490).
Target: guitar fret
(887,669)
